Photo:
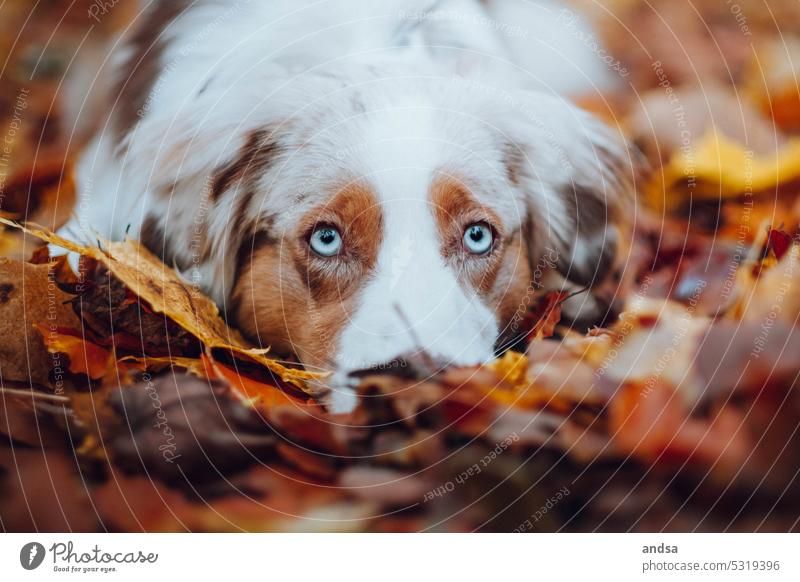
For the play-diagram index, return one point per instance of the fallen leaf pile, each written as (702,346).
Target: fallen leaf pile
(128,404)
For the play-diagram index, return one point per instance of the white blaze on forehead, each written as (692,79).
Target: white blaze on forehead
(413,301)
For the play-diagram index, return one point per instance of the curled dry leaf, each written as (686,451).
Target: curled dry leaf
(252,391)
(119,320)
(163,290)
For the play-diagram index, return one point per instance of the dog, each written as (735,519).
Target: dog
(360,184)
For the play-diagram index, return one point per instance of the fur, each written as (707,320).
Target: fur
(236,126)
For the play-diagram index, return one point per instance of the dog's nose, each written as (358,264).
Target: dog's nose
(412,366)
(397,367)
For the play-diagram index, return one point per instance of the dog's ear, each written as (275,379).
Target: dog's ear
(217,160)
(577,177)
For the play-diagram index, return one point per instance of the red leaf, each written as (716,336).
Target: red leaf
(545,315)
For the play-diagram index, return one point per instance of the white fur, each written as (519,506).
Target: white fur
(447,321)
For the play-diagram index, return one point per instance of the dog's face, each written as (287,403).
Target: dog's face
(404,263)
(363,226)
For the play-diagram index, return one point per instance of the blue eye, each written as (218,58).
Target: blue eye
(478,238)
(326,241)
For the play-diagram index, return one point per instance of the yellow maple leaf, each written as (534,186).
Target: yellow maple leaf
(718,168)
(512,368)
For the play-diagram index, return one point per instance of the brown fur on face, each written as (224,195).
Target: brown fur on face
(290,298)
(502,276)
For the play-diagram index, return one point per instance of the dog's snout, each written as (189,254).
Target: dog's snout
(399,367)
(416,365)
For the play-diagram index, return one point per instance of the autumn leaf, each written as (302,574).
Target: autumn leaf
(158,430)
(249,390)
(84,357)
(770,290)
(719,169)
(29,296)
(22,419)
(43,193)
(778,242)
(542,319)
(680,415)
(163,290)
(512,368)
(771,82)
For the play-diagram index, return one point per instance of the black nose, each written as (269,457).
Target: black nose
(412,366)
(399,367)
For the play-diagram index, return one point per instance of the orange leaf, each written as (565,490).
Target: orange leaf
(249,389)
(644,418)
(194,366)
(516,389)
(651,421)
(84,357)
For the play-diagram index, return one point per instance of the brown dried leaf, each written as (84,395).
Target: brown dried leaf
(542,319)
(263,499)
(29,296)
(41,490)
(184,430)
(23,422)
(161,287)
(119,320)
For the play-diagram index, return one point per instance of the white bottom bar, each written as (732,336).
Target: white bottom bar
(390,557)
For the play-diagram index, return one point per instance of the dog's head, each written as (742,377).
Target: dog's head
(355,222)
